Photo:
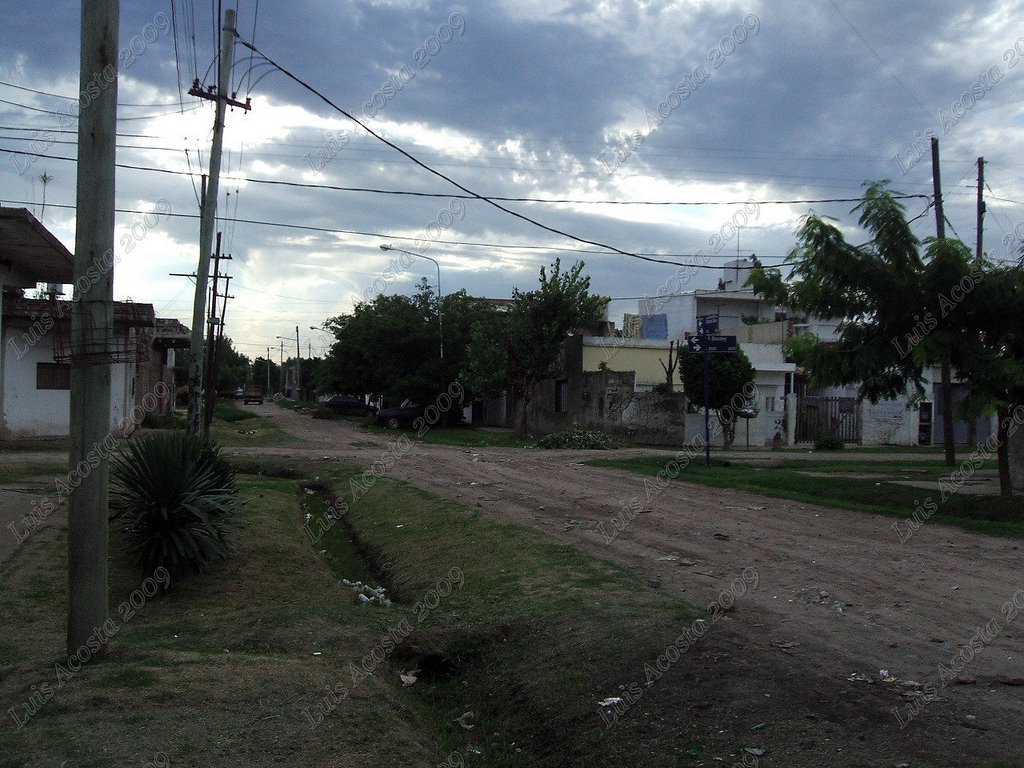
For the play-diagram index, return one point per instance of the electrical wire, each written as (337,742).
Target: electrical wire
(442,176)
(378,236)
(450,195)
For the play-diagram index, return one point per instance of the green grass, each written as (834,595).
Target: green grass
(462,436)
(931,468)
(229,411)
(170,421)
(35,471)
(986,514)
(251,432)
(219,672)
(34,444)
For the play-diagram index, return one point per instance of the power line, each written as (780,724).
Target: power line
(461,243)
(411,193)
(440,175)
(74,98)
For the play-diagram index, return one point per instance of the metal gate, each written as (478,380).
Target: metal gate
(818,417)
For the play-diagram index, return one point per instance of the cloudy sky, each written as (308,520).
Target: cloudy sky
(735,112)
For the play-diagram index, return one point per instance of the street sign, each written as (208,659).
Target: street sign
(712,344)
(707,324)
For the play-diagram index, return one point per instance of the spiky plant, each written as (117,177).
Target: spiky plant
(176,497)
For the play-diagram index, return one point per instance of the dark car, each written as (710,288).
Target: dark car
(347,405)
(404,415)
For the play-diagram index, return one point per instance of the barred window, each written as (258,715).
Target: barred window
(561,397)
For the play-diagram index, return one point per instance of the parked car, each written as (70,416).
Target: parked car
(347,405)
(403,415)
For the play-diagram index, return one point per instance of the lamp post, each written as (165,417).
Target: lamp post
(440,296)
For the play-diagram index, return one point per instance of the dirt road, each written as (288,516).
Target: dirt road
(839,598)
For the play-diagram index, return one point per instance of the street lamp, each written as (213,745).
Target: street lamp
(440,322)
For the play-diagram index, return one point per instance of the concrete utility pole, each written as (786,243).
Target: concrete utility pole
(298,366)
(981,211)
(92,321)
(946,373)
(208,214)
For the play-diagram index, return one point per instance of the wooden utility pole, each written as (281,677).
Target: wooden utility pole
(92,327)
(981,211)
(946,373)
(208,214)
(210,384)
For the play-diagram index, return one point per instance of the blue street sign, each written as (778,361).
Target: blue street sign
(707,324)
(712,344)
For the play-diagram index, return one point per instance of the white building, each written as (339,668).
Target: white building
(35,360)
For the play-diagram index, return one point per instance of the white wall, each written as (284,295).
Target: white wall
(888,422)
(27,410)
(31,412)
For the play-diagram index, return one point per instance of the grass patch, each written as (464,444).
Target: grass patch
(467,436)
(254,431)
(35,471)
(160,421)
(34,444)
(229,411)
(984,514)
(220,672)
(503,617)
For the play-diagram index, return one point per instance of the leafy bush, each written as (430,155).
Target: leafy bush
(577,438)
(828,443)
(177,498)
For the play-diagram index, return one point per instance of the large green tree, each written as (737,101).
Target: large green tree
(391,346)
(516,350)
(886,297)
(730,377)
(996,368)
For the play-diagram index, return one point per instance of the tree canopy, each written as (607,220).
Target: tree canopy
(730,377)
(902,312)
(517,349)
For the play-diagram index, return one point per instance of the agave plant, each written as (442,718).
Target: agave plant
(176,497)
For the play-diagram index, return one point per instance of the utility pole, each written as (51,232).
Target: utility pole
(946,373)
(210,383)
(981,211)
(208,213)
(268,371)
(298,366)
(92,321)
(940,217)
(215,331)
(280,367)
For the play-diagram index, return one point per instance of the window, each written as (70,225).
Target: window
(561,397)
(769,404)
(53,375)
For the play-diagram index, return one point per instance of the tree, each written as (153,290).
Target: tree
(670,367)
(233,368)
(731,375)
(886,296)
(520,348)
(995,317)
(259,374)
(390,346)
